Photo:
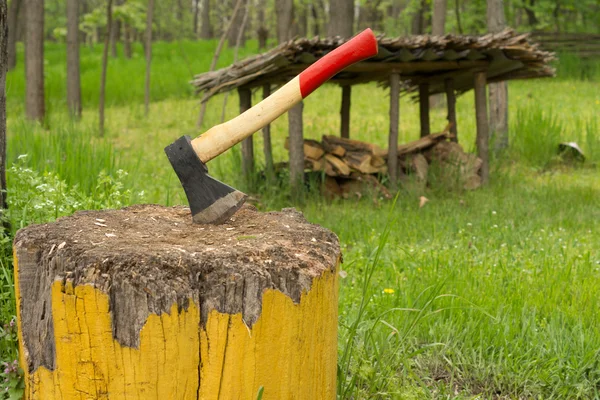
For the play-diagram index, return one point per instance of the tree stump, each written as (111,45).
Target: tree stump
(140,303)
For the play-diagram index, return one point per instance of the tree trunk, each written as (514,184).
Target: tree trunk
(267,147)
(393,135)
(206,31)
(13,18)
(529,10)
(73,79)
(341,18)
(196,10)
(315,18)
(149,17)
(296,143)
(104,67)
(206,322)
(262,32)
(457,14)
(498,92)
(481,117)
(418,19)
(3,68)
(115,33)
(236,27)
(34,60)
(438,28)
(179,14)
(127,37)
(285,15)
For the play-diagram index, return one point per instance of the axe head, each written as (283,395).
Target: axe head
(211,201)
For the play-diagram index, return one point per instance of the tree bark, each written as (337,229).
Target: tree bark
(13,18)
(498,92)
(262,32)
(4,32)
(73,76)
(115,33)
(35,108)
(206,30)
(451,103)
(457,14)
(104,67)
(237,27)
(529,10)
(285,15)
(149,18)
(341,18)
(424,108)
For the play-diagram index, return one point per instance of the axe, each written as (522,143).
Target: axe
(213,202)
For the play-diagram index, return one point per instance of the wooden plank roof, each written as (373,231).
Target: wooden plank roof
(505,55)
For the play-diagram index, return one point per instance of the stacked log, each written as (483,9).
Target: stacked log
(351,167)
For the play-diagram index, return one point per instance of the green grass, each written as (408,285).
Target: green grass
(490,294)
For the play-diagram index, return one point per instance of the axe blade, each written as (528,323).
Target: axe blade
(211,201)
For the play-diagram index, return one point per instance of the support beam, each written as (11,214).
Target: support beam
(345,111)
(451,102)
(296,144)
(394,121)
(424,108)
(247,144)
(482,124)
(266,131)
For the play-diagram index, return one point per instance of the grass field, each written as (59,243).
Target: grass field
(491,294)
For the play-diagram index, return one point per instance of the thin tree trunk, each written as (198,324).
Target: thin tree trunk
(529,10)
(104,66)
(13,18)
(267,147)
(341,18)
(196,10)
(296,144)
(213,63)
(3,68)
(393,135)
(34,60)
(73,79)
(498,92)
(115,33)
(127,40)
(418,19)
(149,16)
(236,27)
(316,22)
(438,28)
(206,31)
(457,13)
(285,15)
(262,31)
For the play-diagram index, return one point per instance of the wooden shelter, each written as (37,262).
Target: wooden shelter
(417,65)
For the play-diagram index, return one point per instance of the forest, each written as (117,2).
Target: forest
(445,291)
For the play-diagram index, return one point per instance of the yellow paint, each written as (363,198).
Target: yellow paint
(291,350)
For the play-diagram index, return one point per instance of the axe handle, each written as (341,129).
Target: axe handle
(220,138)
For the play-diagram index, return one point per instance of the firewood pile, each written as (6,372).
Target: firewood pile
(351,167)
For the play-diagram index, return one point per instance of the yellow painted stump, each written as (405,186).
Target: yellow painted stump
(140,303)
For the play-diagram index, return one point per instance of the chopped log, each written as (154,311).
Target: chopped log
(377,161)
(312,148)
(330,188)
(337,164)
(141,303)
(422,143)
(337,151)
(420,167)
(361,162)
(350,145)
(316,165)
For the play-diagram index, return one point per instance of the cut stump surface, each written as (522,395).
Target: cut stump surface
(141,303)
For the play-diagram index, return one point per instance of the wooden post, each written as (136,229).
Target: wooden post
(345,110)
(482,124)
(451,101)
(424,108)
(296,145)
(247,144)
(393,138)
(266,131)
(147,306)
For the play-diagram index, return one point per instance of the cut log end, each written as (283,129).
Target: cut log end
(119,301)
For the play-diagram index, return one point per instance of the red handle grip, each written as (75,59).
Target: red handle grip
(361,47)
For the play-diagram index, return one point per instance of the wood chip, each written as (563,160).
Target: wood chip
(99,224)
(62,245)
(100,220)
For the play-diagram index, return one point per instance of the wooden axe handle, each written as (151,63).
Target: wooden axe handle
(221,137)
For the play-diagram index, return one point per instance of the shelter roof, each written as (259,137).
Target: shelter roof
(504,56)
